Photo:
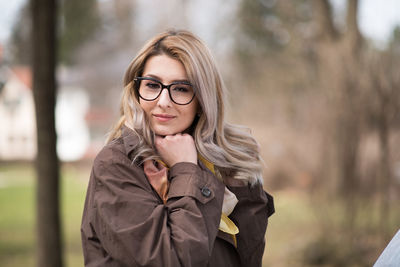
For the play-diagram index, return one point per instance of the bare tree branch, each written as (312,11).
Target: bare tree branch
(323,16)
(353,32)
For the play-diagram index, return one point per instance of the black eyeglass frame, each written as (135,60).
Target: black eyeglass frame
(163,86)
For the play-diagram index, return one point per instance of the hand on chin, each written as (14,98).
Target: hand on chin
(176,148)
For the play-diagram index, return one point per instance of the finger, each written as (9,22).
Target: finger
(177,135)
(188,137)
(169,137)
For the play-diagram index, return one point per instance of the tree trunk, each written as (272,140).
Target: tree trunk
(44,15)
(353,39)
(384,179)
(339,56)
(385,86)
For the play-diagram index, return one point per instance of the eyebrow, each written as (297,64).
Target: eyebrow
(159,79)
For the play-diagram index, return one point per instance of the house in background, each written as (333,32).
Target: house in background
(18,124)
(17,116)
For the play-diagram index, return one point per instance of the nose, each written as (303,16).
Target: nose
(164,99)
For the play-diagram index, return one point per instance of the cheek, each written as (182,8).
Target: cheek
(191,113)
(146,106)
(195,108)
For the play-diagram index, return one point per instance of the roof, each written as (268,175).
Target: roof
(24,74)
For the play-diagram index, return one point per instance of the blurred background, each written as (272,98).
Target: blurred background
(317,81)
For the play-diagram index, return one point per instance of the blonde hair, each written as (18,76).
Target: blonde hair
(231,148)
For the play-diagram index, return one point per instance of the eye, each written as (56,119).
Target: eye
(182,88)
(152,85)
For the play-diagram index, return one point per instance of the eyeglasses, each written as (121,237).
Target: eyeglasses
(149,89)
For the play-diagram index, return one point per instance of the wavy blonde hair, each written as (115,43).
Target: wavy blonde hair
(231,148)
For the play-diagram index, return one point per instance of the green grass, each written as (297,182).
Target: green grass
(74,185)
(17,209)
(288,229)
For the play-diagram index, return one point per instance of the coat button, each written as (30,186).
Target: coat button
(205,191)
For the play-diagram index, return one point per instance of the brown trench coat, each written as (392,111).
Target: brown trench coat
(125,222)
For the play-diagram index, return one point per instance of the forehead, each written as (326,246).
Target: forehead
(165,68)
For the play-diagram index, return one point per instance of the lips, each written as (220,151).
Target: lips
(163,117)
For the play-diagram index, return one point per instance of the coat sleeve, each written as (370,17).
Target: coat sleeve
(126,224)
(251,216)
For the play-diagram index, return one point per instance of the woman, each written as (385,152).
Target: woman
(176,185)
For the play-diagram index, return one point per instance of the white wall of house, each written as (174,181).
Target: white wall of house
(17,121)
(73,132)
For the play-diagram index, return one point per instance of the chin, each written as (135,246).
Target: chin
(164,132)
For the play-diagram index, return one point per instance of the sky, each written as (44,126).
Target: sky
(8,12)
(377,18)
(380,17)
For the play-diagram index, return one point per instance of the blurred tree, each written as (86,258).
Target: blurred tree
(123,14)
(360,88)
(395,41)
(383,78)
(269,41)
(361,85)
(79,21)
(44,32)
(21,45)
(268,26)
(338,55)
(260,30)
(271,52)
